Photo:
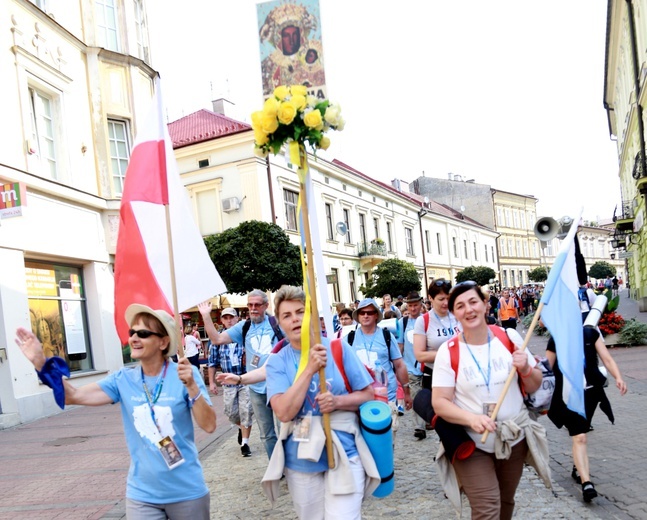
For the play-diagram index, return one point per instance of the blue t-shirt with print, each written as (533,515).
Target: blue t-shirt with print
(281,372)
(371,348)
(259,342)
(149,479)
(406,337)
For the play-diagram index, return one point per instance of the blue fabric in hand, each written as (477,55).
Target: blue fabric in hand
(52,375)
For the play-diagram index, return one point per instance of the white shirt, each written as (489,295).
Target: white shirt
(191,345)
(440,330)
(470,389)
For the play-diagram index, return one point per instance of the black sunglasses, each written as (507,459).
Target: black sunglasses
(467,283)
(143,333)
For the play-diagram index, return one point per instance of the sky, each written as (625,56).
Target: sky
(504,92)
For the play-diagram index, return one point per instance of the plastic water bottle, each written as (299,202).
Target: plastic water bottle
(380,390)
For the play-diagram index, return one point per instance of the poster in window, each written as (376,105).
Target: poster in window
(290,44)
(72,320)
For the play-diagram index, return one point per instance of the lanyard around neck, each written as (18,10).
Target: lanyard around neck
(152,399)
(489,359)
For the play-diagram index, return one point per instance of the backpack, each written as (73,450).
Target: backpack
(273,323)
(539,400)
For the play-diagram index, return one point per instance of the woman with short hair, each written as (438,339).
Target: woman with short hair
(159,400)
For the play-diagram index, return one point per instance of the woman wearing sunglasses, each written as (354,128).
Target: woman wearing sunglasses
(159,399)
(467,383)
(431,331)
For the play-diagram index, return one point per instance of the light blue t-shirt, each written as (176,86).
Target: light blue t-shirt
(281,371)
(149,479)
(406,338)
(259,341)
(371,348)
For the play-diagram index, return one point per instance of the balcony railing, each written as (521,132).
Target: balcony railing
(627,211)
(371,249)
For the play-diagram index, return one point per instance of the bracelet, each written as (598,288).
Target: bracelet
(527,374)
(192,400)
(240,380)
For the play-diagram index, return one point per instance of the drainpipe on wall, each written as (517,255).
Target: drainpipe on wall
(269,185)
(634,60)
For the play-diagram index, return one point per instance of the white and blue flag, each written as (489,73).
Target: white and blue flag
(563,318)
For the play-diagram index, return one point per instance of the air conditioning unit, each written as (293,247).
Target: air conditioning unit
(230,204)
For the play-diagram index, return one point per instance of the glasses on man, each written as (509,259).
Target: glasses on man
(367,313)
(255,305)
(143,333)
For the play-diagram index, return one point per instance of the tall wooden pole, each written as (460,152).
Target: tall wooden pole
(314,312)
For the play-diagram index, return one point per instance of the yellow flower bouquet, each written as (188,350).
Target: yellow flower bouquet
(292,115)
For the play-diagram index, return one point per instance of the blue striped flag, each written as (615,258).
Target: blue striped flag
(563,318)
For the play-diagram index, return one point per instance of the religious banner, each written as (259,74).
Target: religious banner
(291,48)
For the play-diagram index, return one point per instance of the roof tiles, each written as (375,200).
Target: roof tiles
(201,126)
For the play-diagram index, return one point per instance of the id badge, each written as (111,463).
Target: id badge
(255,361)
(301,432)
(170,452)
(488,409)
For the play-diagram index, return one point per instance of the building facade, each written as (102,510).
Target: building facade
(76,75)
(625,97)
(359,221)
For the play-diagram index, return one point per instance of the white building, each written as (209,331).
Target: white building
(228,184)
(75,75)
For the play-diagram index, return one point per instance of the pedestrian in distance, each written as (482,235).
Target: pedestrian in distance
(237,404)
(192,347)
(508,309)
(159,401)
(317,492)
(467,383)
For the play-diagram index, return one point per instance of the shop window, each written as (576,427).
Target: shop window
(57,310)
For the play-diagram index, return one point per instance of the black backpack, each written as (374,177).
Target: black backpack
(275,327)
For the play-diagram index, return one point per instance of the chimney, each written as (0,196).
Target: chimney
(220,106)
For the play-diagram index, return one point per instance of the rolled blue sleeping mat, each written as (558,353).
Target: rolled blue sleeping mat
(375,422)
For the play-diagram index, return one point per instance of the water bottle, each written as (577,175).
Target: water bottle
(380,390)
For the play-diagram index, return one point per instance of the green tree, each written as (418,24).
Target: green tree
(480,274)
(538,274)
(393,276)
(601,270)
(255,255)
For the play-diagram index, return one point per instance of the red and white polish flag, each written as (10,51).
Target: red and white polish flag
(142,264)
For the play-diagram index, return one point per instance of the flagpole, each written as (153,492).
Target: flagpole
(178,319)
(533,324)
(314,312)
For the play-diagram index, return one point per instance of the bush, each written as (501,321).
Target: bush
(634,333)
(539,330)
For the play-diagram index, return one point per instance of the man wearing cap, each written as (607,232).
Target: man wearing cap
(405,342)
(238,406)
(370,345)
(257,335)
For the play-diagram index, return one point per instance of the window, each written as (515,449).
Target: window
(525,249)
(329,226)
(142,31)
(534,249)
(508,220)
(515,217)
(499,216)
(389,236)
(549,248)
(492,250)
(601,249)
(347,222)
(522,214)
(203,163)
(376,227)
(427,242)
(290,198)
(511,250)
(119,154)
(107,35)
(455,246)
(486,258)
(465,249)
(335,284)
(408,240)
(57,309)
(362,229)
(476,255)
(43,139)
(505,278)
(439,244)
(502,245)
(519,252)
(351,285)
